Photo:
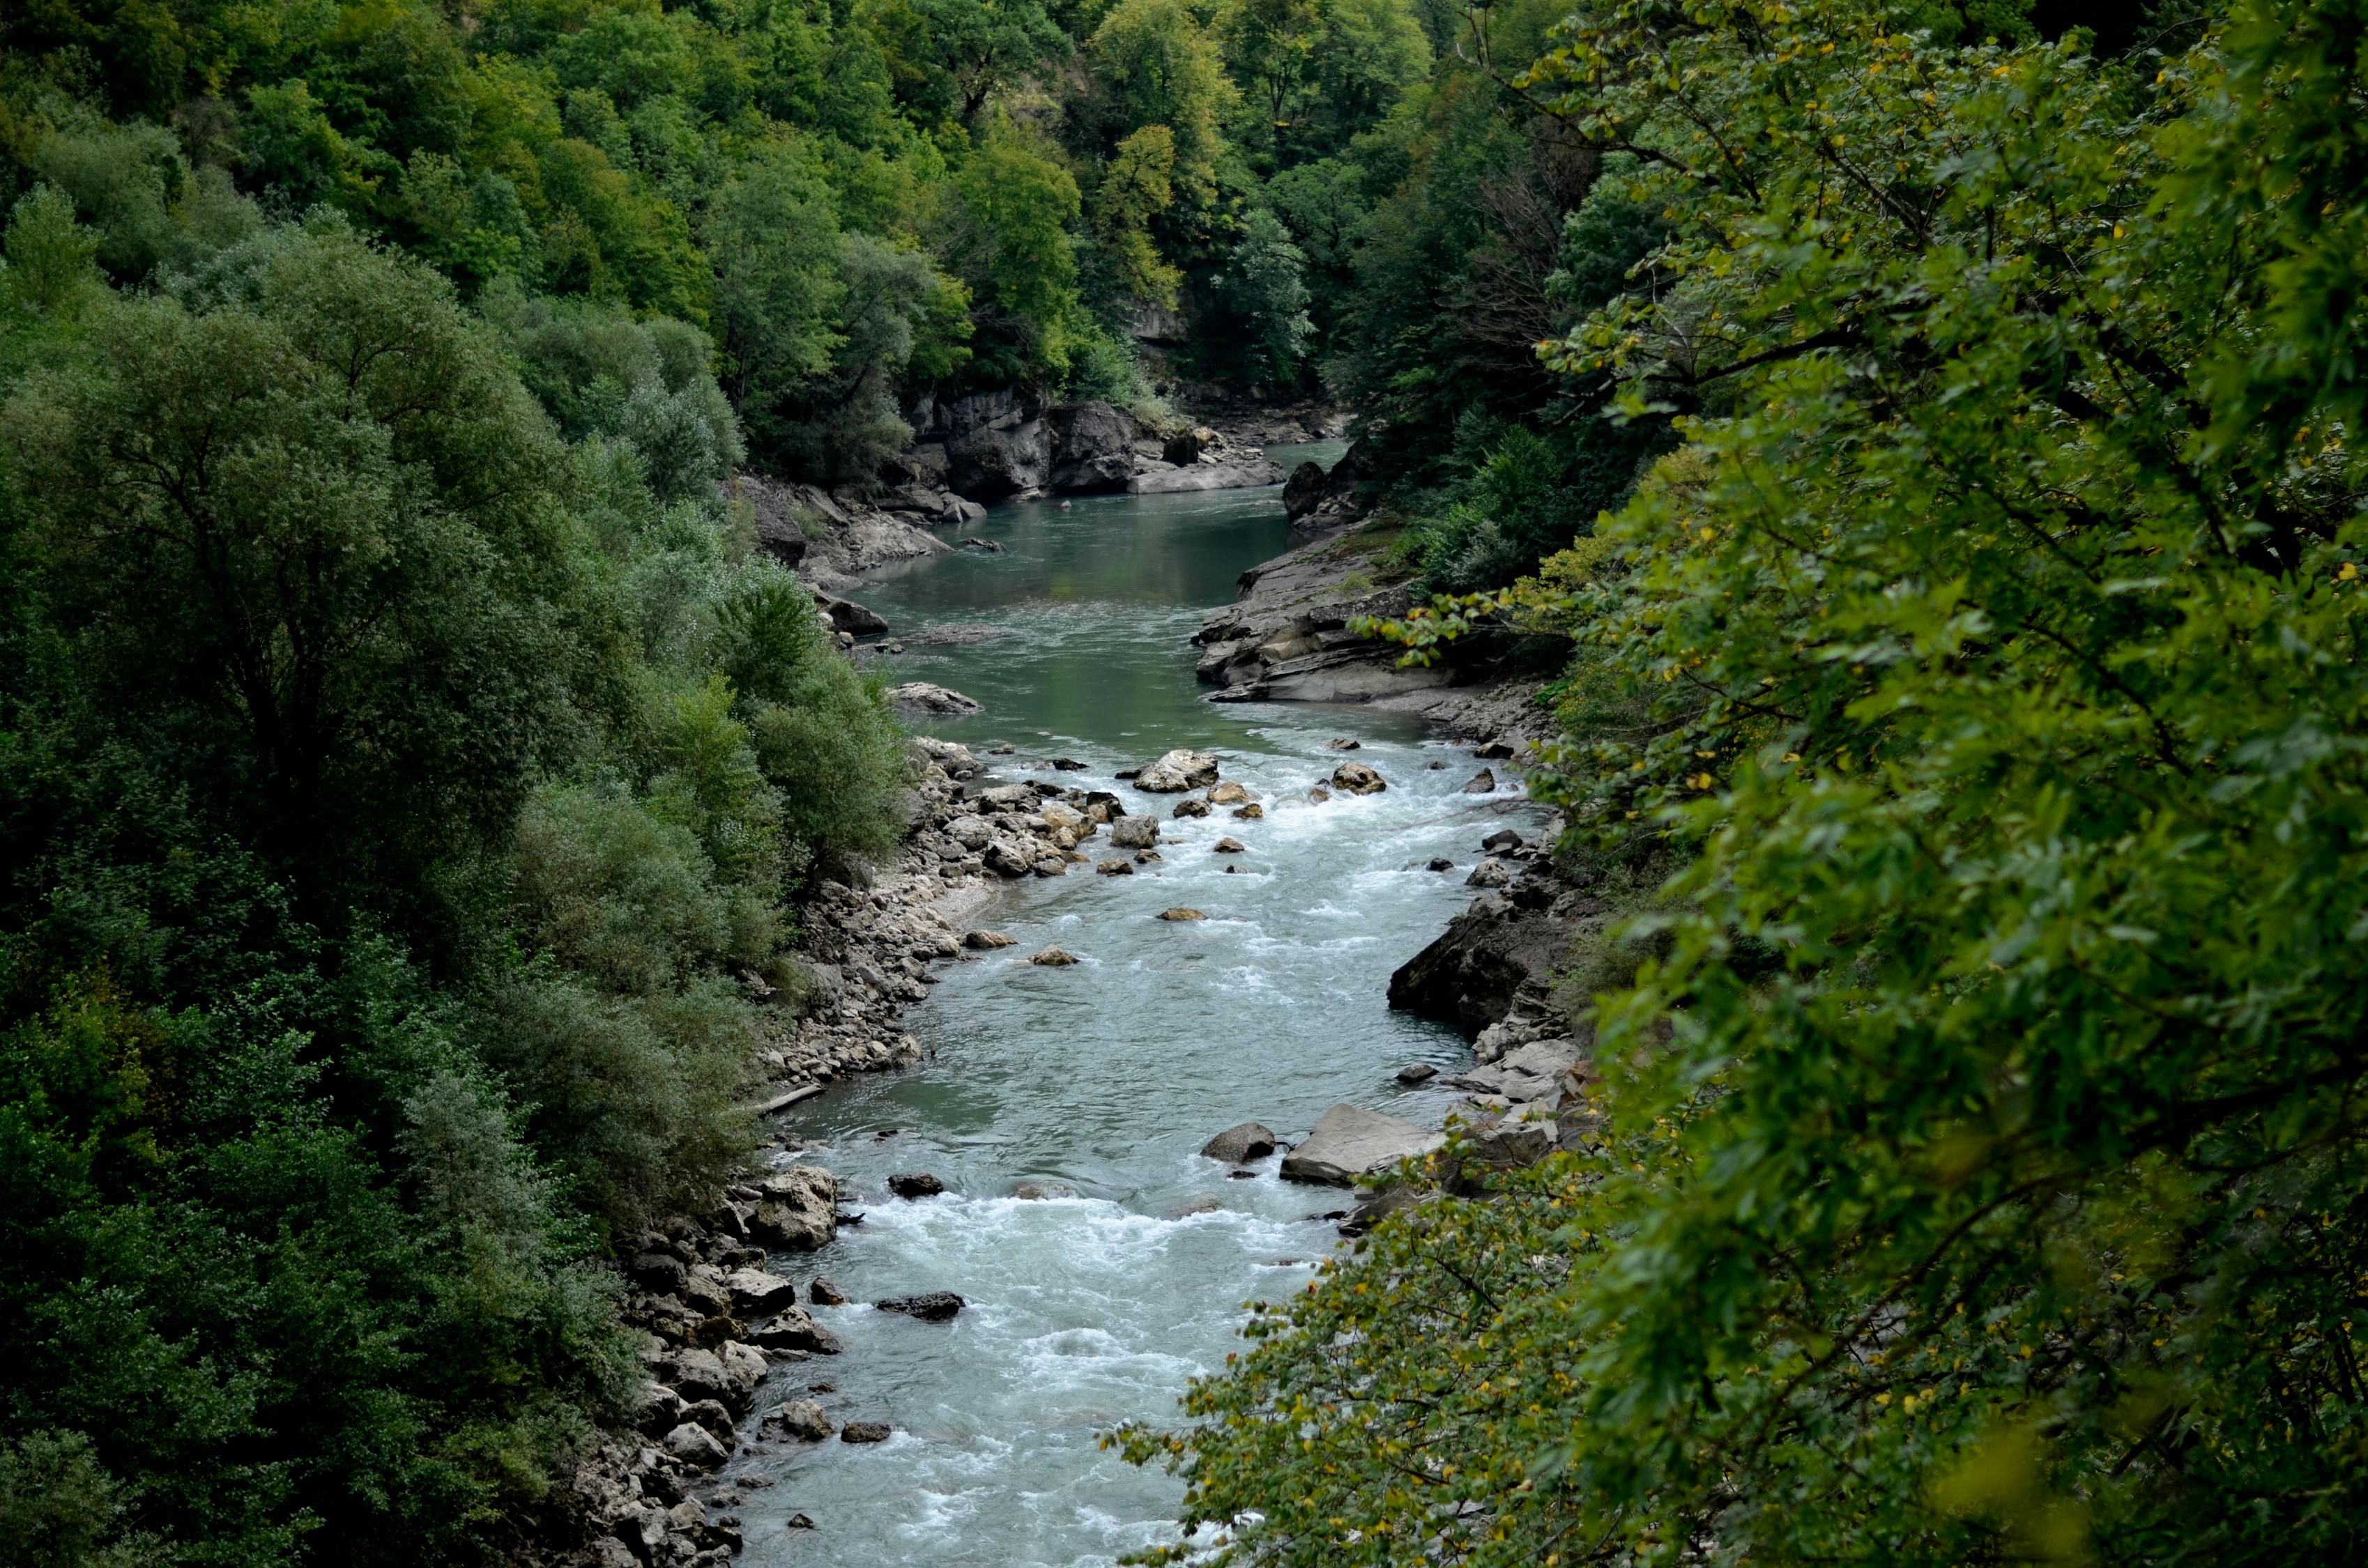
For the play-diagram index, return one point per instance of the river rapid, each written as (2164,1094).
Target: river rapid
(1089,1311)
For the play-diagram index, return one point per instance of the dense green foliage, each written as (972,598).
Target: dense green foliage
(1982,1173)
(400,760)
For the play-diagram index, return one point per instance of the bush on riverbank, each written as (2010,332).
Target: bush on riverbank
(2001,644)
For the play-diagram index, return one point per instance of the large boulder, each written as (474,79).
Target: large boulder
(1135,833)
(795,1329)
(1178,771)
(1489,956)
(1009,453)
(1349,1142)
(728,1374)
(1305,490)
(803,1419)
(754,1290)
(1093,447)
(798,1209)
(695,1444)
(779,534)
(1237,1145)
(850,617)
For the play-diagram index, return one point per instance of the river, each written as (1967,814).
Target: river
(1086,1312)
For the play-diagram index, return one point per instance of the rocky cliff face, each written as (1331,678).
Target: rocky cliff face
(995,445)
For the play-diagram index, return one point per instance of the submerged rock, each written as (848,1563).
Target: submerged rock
(1180,913)
(1228,846)
(1115,869)
(1482,783)
(916,1184)
(1238,1145)
(863,1432)
(922,697)
(1037,1191)
(1053,957)
(1349,1142)
(931,1306)
(1194,807)
(1417,1073)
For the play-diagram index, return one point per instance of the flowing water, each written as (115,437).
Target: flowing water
(1088,1311)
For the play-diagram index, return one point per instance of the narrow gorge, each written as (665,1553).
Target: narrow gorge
(1078,971)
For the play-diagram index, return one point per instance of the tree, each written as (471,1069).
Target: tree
(298,538)
(1010,244)
(1155,64)
(1320,71)
(952,57)
(775,238)
(1265,288)
(1134,189)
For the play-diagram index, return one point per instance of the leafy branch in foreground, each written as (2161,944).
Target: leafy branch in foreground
(1997,636)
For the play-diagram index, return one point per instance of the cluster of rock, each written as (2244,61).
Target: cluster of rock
(713,1318)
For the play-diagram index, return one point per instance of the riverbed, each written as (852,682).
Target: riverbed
(1091,1310)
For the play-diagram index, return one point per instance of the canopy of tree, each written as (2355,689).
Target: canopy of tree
(1967,712)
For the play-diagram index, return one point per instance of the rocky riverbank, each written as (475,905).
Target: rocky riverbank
(1290,635)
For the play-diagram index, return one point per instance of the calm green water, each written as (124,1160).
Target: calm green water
(1090,1311)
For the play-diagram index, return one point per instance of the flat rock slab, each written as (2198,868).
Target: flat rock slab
(922,697)
(1206,477)
(1349,1142)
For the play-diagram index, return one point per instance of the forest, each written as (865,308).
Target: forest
(1919,433)
(410,775)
